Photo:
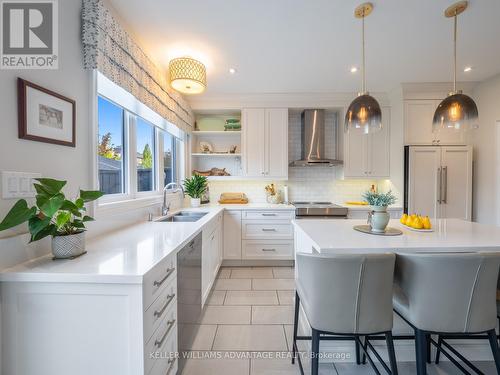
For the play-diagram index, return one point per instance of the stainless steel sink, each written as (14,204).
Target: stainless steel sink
(183,217)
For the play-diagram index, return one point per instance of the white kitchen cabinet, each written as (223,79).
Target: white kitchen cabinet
(418,115)
(265,142)
(232,235)
(440,181)
(210,255)
(368,156)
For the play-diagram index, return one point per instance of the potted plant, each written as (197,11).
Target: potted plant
(195,187)
(378,218)
(54,215)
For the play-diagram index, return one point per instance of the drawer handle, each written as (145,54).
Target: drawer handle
(159,343)
(268,230)
(268,214)
(160,312)
(171,362)
(169,272)
(268,249)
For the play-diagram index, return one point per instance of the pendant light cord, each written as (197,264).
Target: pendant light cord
(363,88)
(455,54)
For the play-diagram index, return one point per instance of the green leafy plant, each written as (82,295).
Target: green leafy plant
(379,199)
(195,186)
(53,214)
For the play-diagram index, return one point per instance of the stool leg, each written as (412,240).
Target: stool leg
(295,326)
(314,352)
(356,343)
(438,352)
(392,354)
(420,351)
(428,349)
(492,336)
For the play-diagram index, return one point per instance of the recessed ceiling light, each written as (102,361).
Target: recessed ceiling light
(232,70)
(467,69)
(354,69)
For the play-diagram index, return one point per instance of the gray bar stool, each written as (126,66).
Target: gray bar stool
(347,296)
(452,295)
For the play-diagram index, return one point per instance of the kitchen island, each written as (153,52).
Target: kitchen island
(449,235)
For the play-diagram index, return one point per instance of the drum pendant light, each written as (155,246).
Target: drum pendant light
(187,75)
(364,114)
(457,111)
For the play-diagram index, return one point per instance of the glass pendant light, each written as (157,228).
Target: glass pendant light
(457,111)
(364,114)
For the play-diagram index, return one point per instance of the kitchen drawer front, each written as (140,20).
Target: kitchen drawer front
(279,230)
(170,368)
(158,278)
(161,307)
(268,215)
(213,223)
(163,344)
(278,250)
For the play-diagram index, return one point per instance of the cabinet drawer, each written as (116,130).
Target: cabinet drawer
(169,369)
(267,230)
(161,307)
(268,215)
(279,250)
(156,279)
(163,344)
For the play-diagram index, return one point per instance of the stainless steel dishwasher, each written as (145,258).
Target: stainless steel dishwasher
(188,295)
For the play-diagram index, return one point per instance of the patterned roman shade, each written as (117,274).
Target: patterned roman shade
(108,48)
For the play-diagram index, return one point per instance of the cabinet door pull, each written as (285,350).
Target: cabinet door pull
(268,230)
(159,282)
(268,249)
(171,362)
(160,312)
(268,214)
(159,343)
(444,184)
(439,178)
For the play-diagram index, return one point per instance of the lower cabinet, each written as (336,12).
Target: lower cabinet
(211,255)
(98,328)
(258,235)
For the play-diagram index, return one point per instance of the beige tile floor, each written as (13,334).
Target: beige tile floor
(250,310)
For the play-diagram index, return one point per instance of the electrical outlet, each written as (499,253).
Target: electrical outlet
(18,184)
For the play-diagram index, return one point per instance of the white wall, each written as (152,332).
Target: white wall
(486,169)
(60,162)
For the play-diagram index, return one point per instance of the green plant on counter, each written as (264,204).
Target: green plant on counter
(195,186)
(53,214)
(379,199)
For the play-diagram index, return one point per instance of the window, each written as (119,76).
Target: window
(110,148)
(137,152)
(145,144)
(169,153)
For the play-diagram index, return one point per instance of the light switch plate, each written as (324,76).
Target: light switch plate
(18,184)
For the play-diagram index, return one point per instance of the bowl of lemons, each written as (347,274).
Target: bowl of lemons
(417,222)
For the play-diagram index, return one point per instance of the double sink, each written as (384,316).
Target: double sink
(183,217)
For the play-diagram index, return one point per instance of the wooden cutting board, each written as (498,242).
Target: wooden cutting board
(233,198)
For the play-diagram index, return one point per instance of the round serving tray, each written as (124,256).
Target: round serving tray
(388,231)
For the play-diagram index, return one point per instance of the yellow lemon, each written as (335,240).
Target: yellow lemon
(403,219)
(427,223)
(417,223)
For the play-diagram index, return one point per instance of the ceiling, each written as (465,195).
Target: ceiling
(299,46)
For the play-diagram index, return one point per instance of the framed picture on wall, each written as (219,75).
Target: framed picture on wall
(45,116)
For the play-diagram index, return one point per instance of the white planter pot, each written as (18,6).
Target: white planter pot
(195,202)
(378,218)
(68,246)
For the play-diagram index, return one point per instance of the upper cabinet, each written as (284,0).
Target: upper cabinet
(265,143)
(418,115)
(368,156)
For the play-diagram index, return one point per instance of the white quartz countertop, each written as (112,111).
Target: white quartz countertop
(358,207)
(121,256)
(336,236)
(255,206)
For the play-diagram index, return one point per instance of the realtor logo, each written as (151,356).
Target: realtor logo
(29,34)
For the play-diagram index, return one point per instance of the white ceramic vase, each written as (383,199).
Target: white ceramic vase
(195,202)
(378,218)
(69,246)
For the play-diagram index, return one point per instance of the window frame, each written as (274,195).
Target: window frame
(132,110)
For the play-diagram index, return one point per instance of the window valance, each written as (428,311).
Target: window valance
(108,48)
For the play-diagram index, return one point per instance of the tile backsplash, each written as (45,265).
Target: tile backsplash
(306,183)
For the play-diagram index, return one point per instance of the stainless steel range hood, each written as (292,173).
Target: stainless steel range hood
(313,141)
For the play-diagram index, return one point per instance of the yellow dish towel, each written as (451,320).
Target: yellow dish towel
(357,203)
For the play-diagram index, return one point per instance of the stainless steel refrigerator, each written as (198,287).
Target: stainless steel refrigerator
(438,181)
